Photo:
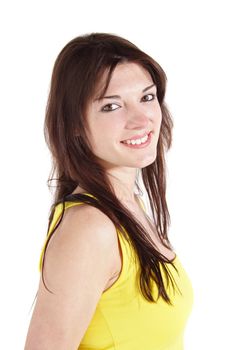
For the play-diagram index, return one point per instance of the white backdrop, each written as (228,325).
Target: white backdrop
(193,43)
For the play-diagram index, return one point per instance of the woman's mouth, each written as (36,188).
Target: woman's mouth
(138,143)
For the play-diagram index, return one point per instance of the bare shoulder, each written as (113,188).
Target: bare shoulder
(83,229)
(78,264)
(88,223)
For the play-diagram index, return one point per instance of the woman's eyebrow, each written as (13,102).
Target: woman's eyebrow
(118,96)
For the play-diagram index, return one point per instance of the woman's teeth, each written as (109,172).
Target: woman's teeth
(137,142)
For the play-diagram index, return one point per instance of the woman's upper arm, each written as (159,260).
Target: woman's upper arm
(78,265)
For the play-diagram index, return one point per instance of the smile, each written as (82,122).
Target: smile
(140,142)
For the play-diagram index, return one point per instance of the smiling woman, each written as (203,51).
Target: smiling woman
(134,123)
(109,276)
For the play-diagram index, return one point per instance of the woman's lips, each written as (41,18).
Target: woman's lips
(136,137)
(142,145)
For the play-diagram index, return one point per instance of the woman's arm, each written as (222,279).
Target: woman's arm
(79,262)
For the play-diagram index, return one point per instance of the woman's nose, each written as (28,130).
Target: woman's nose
(137,119)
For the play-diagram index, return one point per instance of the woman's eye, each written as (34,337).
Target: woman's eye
(153,97)
(107,109)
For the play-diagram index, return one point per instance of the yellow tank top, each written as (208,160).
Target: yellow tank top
(124,319)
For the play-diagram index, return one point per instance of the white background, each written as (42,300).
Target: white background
(192,41)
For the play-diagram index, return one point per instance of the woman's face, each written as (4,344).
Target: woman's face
(131,110)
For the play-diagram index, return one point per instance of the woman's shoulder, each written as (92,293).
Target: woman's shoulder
(80,224)
(86,221)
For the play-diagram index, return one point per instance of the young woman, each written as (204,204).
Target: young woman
(109,276)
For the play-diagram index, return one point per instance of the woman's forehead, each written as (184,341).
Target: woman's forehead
(119,78)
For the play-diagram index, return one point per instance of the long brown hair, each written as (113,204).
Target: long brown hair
(77,72)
